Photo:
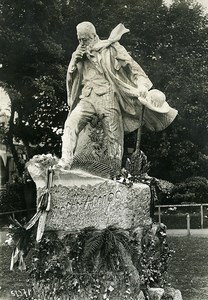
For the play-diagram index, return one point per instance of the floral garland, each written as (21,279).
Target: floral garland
(63,267)
(43,161)
(66,259)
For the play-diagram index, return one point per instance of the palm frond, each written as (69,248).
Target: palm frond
(92,245)
(110,242)
(104,249)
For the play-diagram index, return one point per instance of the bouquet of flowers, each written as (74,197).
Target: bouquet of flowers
(39,164)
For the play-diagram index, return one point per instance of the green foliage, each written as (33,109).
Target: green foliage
(38,38)
(155,257)
(193,189)
(81,264)
(174,57)
(12,198)
(100,263)
(163,190)
(106,245)
(33,59)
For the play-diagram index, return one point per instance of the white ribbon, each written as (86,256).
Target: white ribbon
(4,156)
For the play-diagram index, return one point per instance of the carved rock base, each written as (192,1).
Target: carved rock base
(81,200)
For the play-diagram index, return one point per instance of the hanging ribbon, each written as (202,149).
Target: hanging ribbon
(4,155)
(44,205)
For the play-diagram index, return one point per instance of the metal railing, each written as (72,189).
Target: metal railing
(16,212)
(201,206)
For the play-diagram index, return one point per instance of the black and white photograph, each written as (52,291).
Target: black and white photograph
(103,150)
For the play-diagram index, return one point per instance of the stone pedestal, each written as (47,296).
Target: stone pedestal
(99,240)
(81,200)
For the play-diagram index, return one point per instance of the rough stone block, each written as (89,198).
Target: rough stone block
(81,200)
(156,293)
(141,296)
(172,294)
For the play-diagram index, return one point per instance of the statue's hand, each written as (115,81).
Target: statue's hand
(78,53)
(142,91)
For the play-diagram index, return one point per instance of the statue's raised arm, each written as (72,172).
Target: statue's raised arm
(103,79)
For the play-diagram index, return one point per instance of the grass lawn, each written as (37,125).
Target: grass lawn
(12,284)
(188,268)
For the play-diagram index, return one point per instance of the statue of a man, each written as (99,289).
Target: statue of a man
(102,78)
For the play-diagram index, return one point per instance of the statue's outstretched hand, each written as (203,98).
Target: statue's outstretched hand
(142,91)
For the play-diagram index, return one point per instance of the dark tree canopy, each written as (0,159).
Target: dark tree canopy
(38,37)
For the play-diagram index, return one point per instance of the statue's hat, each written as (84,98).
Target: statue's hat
(156,101)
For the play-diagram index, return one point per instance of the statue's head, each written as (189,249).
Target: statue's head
(86,34)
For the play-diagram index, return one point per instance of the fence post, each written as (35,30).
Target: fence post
(202,217)
(159,214)
(188,225)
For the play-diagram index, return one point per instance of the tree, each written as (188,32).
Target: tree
(37,41)
(33,60)
(179,69)
(193,189)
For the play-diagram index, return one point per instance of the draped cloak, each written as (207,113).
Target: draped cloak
(124,75)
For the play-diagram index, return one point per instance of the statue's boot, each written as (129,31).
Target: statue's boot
(64,163)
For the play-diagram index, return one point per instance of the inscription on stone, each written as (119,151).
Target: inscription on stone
(90,202)
(99,205)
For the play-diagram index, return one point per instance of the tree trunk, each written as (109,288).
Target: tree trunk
(18,163)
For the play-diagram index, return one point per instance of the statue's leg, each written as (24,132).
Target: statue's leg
(75,122)
(112,125)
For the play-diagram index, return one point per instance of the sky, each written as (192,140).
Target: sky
(204,3)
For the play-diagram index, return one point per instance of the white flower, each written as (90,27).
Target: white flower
(9,241)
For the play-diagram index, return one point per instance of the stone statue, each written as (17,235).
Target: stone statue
(102,78)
